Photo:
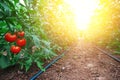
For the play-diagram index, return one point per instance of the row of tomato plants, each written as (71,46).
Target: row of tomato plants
(23,40)
(105,24)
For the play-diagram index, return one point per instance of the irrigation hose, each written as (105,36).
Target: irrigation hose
(46,67)
(109,54)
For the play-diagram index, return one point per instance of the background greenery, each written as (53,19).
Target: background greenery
(105,25)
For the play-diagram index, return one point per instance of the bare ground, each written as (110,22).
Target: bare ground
(81,62)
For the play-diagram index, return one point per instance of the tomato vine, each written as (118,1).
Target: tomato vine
(17,18)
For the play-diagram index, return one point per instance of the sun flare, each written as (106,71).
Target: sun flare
(83,10)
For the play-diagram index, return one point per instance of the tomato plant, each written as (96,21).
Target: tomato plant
(105,24)
(22,19)
(41,26)
(59,24)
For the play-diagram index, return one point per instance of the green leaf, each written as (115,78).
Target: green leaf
(2,23)
(8,12)
(39,64)
(46,43)
(48,53)
(16,1)
(4,62)
(11,18)
(18,27)
(36,40)
(4,6)
(28,63)
(1,14)
(116,52)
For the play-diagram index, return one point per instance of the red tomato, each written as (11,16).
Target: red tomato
(21,34)
(21,42)
(10,38)
(15,49)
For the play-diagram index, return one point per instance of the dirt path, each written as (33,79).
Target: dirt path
(81,62)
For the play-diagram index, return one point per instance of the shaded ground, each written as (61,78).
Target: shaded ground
(81,62)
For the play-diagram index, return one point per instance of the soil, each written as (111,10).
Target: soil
(81,62)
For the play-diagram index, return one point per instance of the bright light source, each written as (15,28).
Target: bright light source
(83,10)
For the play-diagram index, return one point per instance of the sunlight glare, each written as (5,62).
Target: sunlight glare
(83,10)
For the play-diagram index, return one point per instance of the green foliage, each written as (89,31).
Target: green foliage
(105,25)
(16,16)
(4,61)
(59,22)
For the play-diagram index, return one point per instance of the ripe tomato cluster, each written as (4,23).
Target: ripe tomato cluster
(17,37)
